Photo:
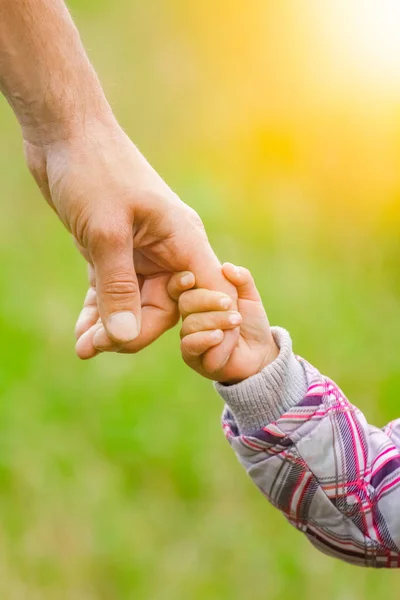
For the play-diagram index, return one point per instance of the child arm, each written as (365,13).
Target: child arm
(314,456)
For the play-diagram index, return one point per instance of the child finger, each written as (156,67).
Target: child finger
(209,321)
(243,280)
(195,344)
(179,283)
(201,300)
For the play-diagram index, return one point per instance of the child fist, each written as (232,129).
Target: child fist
(207,314)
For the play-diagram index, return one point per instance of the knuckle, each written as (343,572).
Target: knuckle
(195,218)
(247,275)
(185,329)
(190,325)
(184,303)
(119,287)
(187,350)
(107,236)
(191,219)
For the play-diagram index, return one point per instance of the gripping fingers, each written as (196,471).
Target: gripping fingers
(210,321)
(195,344)
(179,283)
(89,314)
(201,300)
(243,281)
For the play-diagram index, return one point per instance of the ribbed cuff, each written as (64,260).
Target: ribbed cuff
(265,397)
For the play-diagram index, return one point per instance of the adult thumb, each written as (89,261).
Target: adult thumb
(118,292)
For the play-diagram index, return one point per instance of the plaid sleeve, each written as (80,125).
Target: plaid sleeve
(334,477)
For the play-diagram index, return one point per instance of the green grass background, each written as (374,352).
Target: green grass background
(115,480)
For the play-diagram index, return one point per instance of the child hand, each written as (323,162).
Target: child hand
(206,315)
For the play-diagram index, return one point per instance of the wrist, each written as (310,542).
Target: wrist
(269,353)
(266,396)
(52,123)
(272,353)
(62,102)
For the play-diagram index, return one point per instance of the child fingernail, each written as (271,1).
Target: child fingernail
(187,280)
(235,319)
(225,303)
(217,335)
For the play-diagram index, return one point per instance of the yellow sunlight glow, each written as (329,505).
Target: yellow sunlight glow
(378,33)
(365,36)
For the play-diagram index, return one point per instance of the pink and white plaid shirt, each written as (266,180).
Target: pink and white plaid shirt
(334,477)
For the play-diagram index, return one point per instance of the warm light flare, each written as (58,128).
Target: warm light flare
(365,35)
(377,34)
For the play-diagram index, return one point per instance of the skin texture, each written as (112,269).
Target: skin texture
(129,225)
(207,315)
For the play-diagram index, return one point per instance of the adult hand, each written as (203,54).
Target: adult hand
(131,227)
(124,218)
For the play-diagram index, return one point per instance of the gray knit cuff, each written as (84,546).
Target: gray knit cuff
(265,397)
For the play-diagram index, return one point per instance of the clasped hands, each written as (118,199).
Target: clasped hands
(145,248)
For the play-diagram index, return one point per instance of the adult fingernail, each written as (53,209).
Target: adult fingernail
(225,303)
(123,326)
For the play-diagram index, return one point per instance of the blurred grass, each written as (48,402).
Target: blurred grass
(115,480)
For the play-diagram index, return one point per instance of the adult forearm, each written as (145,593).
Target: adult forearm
(44,71)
